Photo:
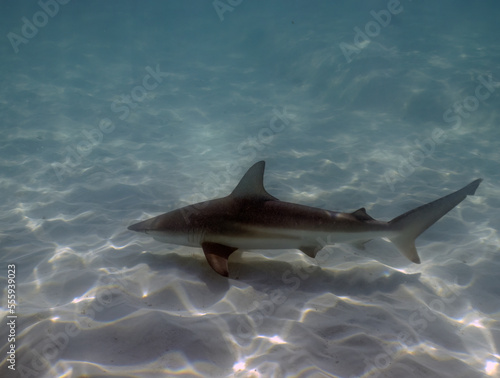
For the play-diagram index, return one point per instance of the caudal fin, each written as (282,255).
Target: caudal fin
(412,223)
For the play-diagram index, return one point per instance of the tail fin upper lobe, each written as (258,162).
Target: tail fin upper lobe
(412,223)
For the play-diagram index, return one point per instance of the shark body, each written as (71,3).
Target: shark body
(250,218)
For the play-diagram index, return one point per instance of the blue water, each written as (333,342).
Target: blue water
(114,112)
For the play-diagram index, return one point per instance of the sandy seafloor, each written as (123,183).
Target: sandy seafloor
(407,120)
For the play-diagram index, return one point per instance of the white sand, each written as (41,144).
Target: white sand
(97,300)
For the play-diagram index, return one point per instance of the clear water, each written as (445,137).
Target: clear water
(114,112)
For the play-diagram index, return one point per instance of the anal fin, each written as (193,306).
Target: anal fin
(217,255)
(311,251)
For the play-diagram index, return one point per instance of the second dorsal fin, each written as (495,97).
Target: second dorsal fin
(361,215)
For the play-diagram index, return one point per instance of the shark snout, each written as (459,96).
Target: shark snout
(141,226)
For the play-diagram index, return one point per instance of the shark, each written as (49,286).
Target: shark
(251,219)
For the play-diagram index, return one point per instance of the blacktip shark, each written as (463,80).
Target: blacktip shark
(250,218)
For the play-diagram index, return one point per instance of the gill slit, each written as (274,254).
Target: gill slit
(194,237)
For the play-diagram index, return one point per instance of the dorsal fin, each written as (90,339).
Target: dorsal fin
(361,214)
(252,184)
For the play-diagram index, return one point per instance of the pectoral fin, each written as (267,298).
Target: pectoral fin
(217,255)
